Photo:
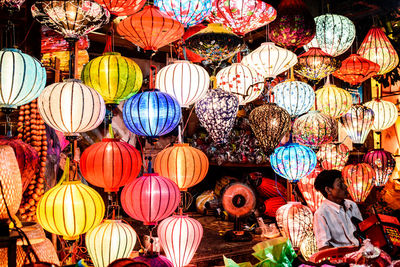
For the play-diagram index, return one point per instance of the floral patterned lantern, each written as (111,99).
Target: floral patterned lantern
(357,123)
(333,101)
(313,197)
(333,156)
(385,114)
(383,164)
(122,7)
(359,179)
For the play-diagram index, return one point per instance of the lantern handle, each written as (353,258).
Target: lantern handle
(153,73)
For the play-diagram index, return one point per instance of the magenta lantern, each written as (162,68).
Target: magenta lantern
(383,164)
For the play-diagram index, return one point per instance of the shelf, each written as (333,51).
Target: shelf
(242,165)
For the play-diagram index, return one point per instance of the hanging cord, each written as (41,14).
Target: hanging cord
(110,39)
(71,63)
(152,75)
(277,188)
(27,34)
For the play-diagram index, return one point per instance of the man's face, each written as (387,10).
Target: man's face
(339,189)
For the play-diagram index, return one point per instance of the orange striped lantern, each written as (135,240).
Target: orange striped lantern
(359,179)
(122,7)
(313,197)
(333,156)
(268,188)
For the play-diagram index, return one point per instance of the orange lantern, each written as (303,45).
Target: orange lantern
(313,197)
(122,7)
(359,179)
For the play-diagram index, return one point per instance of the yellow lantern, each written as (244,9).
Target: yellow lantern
(385,114)
(333,101)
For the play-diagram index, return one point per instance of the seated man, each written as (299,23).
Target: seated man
(332,221)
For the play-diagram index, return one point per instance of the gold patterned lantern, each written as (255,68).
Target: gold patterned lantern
(385,114)
(333,101)
(308,246)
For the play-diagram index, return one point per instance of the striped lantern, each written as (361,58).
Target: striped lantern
(359,179)
(333,101)
(357,123)
(308,246)
(385,114)
(272,205)
(333,156)
(313,197)
(268,188)
(180,236)
(110,164)
(182,164)
(109,241)
(383,164)
(150,198)
(71,107)
(185,81)
(122,7)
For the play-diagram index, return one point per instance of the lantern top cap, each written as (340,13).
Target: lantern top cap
(151,6)
(182,145)
(111,221)
(71,182)
(150,174)
(12,50)
(72,80)
(111,54)
(268,43)
(182,61)
(110,140)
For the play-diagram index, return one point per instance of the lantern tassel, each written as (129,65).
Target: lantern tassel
(110,130)
(109,39)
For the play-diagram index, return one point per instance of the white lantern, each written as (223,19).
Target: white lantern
(185,81)
(385,114)
(357,123)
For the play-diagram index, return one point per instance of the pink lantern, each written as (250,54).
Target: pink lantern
(383,164)
(306,185)
(180,237)
(333,156)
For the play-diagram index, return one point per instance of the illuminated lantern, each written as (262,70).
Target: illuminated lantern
(308,246)
(359,179)
(270,60)
(333,101)
(115,77)
(70,209)
(180,237)
(357,123)
(295,221)
(356,69)
(11,4)
(242,81)
(22,78)
(109,241)
(187,12)
(110,164)
(185,81)
(180,45)
(242,16)
(150,198)
(151,113)
(122,7)
(293,161)
(385,114)
(313,197)
(383,164)
(71,107)
(217,112)
(272,205)
(294,96)
(10,178)
(377,48)
(333,156)
(183,164)
(269,123)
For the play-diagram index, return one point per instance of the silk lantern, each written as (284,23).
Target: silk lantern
(22,78)
(115,77)
(308,246)
(269,123)
(357,123)
(109,241)
(272,205)
(313,197)
(150,198)
(110,164)
(385,114)
(333,156)
(151,113)
(71,107)
(359,179)
(268,188)
(333,101)
(70,209)
(180,236)
(217,112)
(242,16)
(383,164)
(122,7)
(183,164)
(185,81)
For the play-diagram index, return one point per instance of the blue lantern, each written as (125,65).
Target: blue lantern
(293,161)
(22,78)
(151,113)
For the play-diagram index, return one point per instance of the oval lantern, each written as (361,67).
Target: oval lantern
(109,241)
(185,81)
(180,236)
(22,78)
(333,156)
(115,77)
(359,179)
(182,164)
(383,164)
(70,209)
(333,101)
(151,113)
(122,7)
(150,198)
(110,164)
(357,123)
(71,107)
(272,205)
(312,196)
(385,114)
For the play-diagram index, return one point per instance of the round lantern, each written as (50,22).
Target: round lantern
(184,165)
(294,96)
(308,246)
(150,198)
(71,107)
(217,112)
(295,221)
(22,78)
(356,69)
(70,209)
(115,77)
(385,114)
(333,156)
(150,28)
(242,16)
(122,7)
(109,241)
(270,60)
(313,197)
(151,113)
(185,81)
(272,205)
(110,164)
(377,48)
(333,101)
(187,12)
(293,161)
(383,164)
(359,179)
(269,123)
(357,123)
(154,260)
(180,237)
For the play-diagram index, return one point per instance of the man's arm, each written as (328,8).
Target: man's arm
(322,232)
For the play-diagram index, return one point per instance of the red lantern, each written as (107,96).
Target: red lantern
(359,179)
(110,164)
(272,205)
(383,164)
(150,198)
(122,7)
(268,188)
(333,156)
(313,197)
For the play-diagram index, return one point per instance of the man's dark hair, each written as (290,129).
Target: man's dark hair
(326,178)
